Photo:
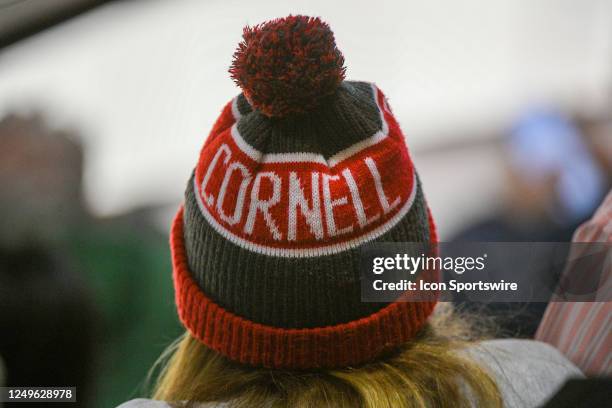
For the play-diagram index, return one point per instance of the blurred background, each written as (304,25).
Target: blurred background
(506,105)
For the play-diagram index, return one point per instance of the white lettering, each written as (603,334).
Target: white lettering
(246,178)
(357,203)
(384,202)
(329,207)
(264,205)
(311,215)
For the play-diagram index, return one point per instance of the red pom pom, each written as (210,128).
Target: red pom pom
(286,66)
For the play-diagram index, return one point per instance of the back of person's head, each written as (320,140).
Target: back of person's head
(299,172)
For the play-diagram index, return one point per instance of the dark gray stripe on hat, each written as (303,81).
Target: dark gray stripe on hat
(343,119)
(286,292)
(243,105)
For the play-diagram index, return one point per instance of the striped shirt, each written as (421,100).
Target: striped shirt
(583,331)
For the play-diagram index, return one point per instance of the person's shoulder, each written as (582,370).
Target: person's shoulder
(144,403)
(529,348)
(528,372)
(148,403)
(529,358)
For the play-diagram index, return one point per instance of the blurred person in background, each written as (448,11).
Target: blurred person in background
(47,320)
(46,310)
(49,240)
(40,176)
(554,183)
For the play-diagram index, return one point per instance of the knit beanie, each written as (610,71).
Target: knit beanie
(299,171)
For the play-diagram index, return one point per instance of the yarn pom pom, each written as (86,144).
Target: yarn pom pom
(288,65)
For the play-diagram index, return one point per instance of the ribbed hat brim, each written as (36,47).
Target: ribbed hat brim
(243,341)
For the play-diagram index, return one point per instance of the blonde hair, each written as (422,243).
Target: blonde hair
(426,372)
